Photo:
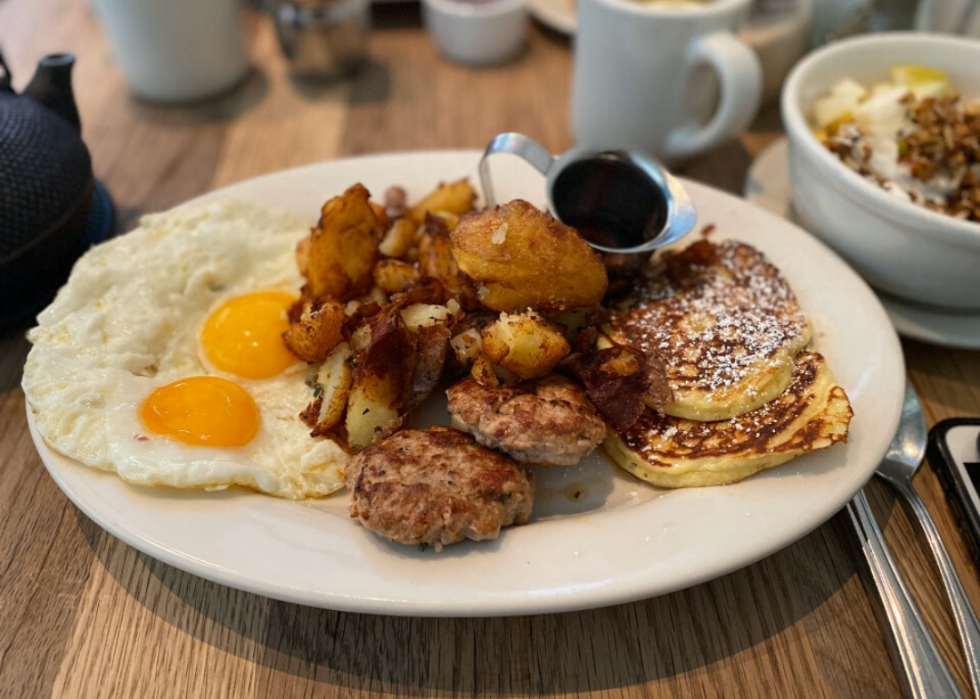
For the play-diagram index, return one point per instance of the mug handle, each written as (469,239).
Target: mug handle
(740,78)
(516,144)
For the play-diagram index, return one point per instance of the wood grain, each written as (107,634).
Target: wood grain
(84,615)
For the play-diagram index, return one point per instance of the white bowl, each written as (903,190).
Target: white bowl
(477,32)
(897,246)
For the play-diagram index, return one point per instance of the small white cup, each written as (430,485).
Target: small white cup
(176,50)
(647,76)
(480,33)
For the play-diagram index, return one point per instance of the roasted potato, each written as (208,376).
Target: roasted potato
(361,338)
(431,350)
(399,238)
(383,221)
(344,246)
(574,321)
(426,290)
(435,250)
(374,296)
(483,373)
(454,198)
(449,220)
(524,344)
(332,388)
(436,260)
(523,258)
(424,315)
(318,330)
(382,381)
(392,276)
(430,323)
(303,254)
(467,346)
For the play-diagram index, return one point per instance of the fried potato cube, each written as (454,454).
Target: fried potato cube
(383,221)
(303,255)
(450,220)
(370,413)
(524,344)
(436,260)
(424,315)
(382,381)
(426,290)
(344,246)
(429,323)
(318,330)
(435,250)
(467,346)
(574,321)
(360,339)
(431,352)
(392,276)
(454,198)
(333,386)
(399,238)
(483,373)
(375,295)
(521,258)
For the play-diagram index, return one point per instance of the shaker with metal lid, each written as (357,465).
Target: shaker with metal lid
(322,38)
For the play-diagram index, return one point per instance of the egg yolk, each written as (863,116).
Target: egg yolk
(203,411)
(244,336)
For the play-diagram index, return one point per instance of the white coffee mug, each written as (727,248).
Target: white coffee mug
(674,81)
(176,50)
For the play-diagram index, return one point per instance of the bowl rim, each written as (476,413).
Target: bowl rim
(646,9)
(476,9)
(859,190)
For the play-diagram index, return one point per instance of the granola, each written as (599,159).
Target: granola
(919,142)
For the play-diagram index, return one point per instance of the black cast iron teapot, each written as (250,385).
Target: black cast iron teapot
(49,199)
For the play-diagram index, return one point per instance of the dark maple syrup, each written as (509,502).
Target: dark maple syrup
(611,200)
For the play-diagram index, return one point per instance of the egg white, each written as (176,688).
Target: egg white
(128,321)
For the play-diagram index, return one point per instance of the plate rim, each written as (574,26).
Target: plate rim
(516,606)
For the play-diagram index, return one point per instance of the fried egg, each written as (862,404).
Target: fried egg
(162,359)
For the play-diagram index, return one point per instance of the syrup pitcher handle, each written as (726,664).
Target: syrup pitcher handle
(517,144)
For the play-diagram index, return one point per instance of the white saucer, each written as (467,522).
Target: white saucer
(767,186)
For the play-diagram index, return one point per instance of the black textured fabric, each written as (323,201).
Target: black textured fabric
(44,170)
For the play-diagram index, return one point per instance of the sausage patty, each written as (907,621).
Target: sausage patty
(436,486)
(549,421)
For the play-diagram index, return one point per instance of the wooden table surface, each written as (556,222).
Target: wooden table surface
(82,614)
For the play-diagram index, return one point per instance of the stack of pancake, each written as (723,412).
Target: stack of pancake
(748,394)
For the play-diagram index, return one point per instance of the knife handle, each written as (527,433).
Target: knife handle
(922,670)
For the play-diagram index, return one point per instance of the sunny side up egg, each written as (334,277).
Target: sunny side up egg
(161,358)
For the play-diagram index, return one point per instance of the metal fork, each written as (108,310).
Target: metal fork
(900,464)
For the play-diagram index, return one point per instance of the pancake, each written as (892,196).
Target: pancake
(725,323)
(813,413)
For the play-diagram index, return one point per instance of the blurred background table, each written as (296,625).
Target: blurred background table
(82,614)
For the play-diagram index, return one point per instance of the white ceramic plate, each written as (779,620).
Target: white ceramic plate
(767,185)
(598,536)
